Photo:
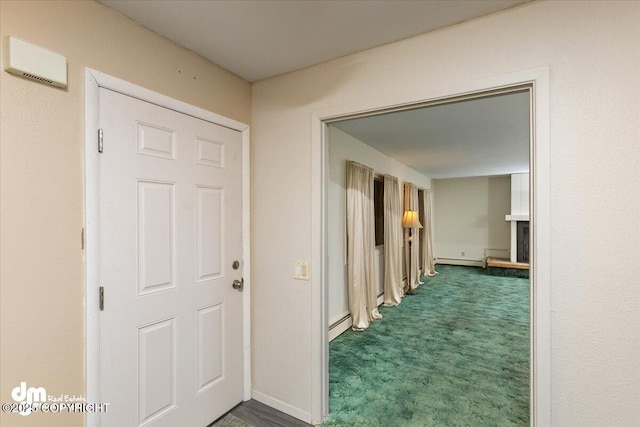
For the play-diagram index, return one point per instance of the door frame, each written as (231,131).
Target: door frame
(540,200)
(93,81)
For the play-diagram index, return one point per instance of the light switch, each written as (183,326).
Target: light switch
(301,270)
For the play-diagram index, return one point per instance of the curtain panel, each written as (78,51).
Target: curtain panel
(427,264)
(363,305)
(393,282)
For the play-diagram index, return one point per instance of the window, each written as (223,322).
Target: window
(378,208)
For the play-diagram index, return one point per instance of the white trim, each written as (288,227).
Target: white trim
(540,202)
(347,322)
(91,253)
(108,82)
(246,258)
(341,327)
(319,292)
(93,81)
(516,218)
(458,261)
(282,406)
(541,242)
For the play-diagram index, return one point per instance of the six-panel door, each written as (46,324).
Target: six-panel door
(170,229)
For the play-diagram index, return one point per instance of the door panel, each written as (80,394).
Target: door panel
(209,232)
(171,349)
(156,243)
(210,345)
(156,369)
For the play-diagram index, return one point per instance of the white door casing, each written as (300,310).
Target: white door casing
(171,334)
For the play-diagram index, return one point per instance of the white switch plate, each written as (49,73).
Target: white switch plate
(301,270)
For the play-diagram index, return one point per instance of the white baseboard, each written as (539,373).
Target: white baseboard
(282,406)
(340,328)
(346,323)
(456,261)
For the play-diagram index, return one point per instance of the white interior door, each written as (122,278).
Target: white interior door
(170,230)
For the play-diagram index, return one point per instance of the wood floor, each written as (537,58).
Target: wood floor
(260,415)
(505,263)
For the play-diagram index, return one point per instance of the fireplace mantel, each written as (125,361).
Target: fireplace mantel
(517,217)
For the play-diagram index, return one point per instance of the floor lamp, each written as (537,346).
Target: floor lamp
(410,221)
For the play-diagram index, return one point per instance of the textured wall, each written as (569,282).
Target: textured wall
(41,153)
(592,51)
(469,216)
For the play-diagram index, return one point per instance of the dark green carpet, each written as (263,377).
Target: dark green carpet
(456,354)
(508,272)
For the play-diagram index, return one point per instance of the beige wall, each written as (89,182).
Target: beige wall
(468,216)
(42,178)
(592,52)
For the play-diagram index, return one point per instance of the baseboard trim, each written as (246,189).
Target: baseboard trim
(340,328)
(457,261)
(337,328)
(281,406)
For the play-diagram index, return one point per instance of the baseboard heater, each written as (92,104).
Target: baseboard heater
(461,261)
(338,322)
(344,323)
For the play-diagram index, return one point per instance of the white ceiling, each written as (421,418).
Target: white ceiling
(257,39)
(481,137)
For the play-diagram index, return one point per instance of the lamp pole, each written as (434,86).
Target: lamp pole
(410,220)
(410,291)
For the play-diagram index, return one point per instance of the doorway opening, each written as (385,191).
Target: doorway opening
(538,162)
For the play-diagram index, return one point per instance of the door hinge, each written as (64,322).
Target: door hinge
(100,140)
(101,298)
(82,238)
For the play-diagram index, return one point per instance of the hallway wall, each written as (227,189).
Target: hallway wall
(591,51)
(42,176)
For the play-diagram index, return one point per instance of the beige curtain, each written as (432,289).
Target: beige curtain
(427,264)
(393,282)
(363,305)
(411,203)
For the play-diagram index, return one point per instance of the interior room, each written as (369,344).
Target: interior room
(168,245)
(476,148)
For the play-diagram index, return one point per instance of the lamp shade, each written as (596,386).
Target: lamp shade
(410,220)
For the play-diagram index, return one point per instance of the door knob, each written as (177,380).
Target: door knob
(238,285)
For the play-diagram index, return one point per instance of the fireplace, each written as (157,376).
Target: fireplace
(519,219)
(523,241)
